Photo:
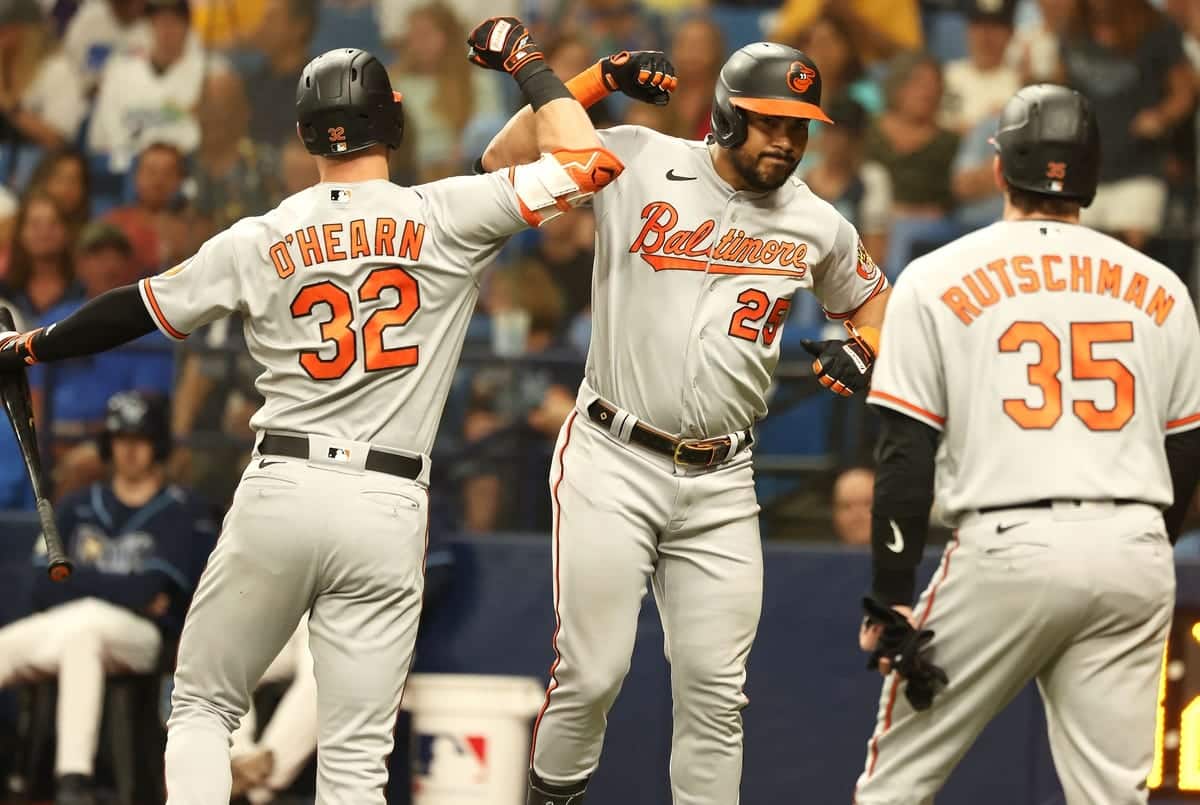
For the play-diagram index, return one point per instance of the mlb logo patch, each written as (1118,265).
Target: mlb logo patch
(339,454)
(339,195)
(339,148)
(450,760)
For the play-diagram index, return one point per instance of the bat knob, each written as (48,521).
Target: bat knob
(60,571)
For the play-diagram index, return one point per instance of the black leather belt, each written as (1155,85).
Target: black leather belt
(1046,503)
(688,452)
(279,444)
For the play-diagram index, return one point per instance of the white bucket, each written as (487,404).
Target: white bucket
(471,737)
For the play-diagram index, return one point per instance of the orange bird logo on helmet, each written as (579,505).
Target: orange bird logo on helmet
(800,77)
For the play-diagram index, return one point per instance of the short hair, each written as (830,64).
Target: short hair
(173,150)
(1031,203)
(900,70)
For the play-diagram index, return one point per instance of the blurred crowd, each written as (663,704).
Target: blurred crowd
(132,130)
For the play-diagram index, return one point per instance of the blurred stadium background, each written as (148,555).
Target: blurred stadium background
(131,130)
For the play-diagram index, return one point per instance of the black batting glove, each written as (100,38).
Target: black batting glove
(644,75)
(15,351)
(503,44)
(843,367)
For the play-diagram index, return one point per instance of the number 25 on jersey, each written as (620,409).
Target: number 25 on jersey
(1084,366)
(338,330)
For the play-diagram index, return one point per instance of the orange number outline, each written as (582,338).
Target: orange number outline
(377,357)
(753,309)
(336,330)
(1084,366)
(1043,374)
(776,320)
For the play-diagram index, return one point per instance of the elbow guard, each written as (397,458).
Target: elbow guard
(560,181)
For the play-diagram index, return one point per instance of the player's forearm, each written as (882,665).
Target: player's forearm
(516,144)
(111,319)
(871,313)
(563,125)
(904,474)
(1183,459)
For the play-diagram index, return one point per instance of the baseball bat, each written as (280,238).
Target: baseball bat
(14,391)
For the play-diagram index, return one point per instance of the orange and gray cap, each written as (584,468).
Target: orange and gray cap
(769,79)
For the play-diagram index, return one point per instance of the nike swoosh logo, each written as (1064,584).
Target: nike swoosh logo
(674,177)
(1000,529)
(897,543)
(264,463)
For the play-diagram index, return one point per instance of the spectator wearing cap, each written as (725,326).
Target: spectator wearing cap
(917,153)
(860,190)
(139,546)
(148,97)
(101,29)
(75,391)
(284,37)
(1128,58)
(978,86)
(41,98)
(235,177)
(155,221)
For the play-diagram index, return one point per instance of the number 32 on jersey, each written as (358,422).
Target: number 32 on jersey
(339,329)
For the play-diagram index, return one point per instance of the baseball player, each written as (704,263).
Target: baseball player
(701,247)
(1050,374)
(356,295)
(139,545)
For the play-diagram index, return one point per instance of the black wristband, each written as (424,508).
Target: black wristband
(540,85)
(894,587)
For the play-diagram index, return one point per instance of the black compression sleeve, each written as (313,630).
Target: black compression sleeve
(1183,457)
(109,320)
(904,470)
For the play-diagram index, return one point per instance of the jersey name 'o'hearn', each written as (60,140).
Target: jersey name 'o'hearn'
(335,241)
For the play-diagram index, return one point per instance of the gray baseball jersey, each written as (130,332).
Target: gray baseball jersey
(1079,391)
(356,300)
(693,283)
(1054,360)
(691,288)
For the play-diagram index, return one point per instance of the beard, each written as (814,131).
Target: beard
(760,173)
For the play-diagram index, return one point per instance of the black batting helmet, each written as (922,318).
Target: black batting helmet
(345,103)
(1049,143)
(769,79)
(134,413)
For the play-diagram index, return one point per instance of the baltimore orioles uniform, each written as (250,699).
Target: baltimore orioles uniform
(692,285)
(356,300)
(1053,360)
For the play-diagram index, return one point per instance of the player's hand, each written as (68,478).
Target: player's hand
(870,632)
(503,44)
(15,353)
(644,75)
(843,367)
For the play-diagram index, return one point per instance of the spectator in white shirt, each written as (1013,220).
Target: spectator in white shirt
(41,105)
(980,85)
(149,98)
(100,29)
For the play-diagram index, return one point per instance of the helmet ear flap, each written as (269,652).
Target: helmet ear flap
(729,125)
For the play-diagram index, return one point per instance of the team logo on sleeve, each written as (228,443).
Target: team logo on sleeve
(800,77)
(866,266)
